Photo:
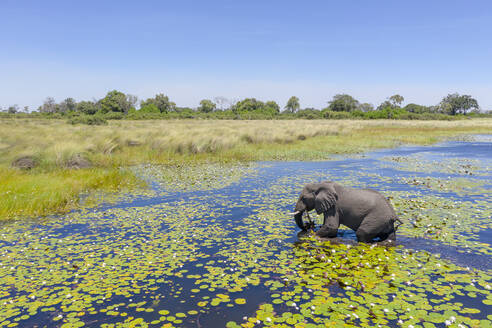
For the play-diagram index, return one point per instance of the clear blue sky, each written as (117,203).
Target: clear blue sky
(192,50)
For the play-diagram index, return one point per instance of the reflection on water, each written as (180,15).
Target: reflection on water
(231,255)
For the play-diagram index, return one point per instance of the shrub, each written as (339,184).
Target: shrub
(150,108)
(113,116)
(89,120)
(309,114)
(335,115)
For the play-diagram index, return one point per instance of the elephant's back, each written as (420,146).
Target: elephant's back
(389,208)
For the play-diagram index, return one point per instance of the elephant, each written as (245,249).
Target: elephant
(365,211)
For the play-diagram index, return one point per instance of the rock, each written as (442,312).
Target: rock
(133,143)
(78,161)
(25,163)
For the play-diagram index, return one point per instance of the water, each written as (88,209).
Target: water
(230,253)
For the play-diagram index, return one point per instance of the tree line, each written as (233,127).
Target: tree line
(117,105)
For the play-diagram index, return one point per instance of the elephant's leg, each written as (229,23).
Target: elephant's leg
(370,228)
(330,224)
(364,235)
(389,234)
(374,226)
(327,232)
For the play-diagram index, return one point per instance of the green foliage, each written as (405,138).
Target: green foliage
(68,105)
(247,105)
(366,107)
(326,113)
(396,100)
(13,109)
(88,119)
(454,104)
(87,107)
(162,102)
(113,116)
(115,101)
(293,104)
(207,106)
(272,107)
(389,112)
(251,108)
(343,103)
(149,108)
(117,105)
(418,109)
(309,114)
(385,104)
(48,106)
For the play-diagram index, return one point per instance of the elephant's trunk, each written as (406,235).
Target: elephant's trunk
(299,211)
(299,222)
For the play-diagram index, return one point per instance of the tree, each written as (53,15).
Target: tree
(418,109)
(222,102)
(132,100)
(385,104)
(396,100)
(162,102)
(115,101)
(206,106)
(272,106)
(366,107)
(309,113)
(48,106)
(13,109)
(248,105)
(293,104)
(150,108)
(67,105)
(86,107)
(454,104)
(343,103)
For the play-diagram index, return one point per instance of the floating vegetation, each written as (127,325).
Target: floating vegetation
(224,253)
(460,186)
(449,221)
(194,177)
(419,163)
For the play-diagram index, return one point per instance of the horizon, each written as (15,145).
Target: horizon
(268,51)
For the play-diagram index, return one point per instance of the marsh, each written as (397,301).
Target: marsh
(225,253)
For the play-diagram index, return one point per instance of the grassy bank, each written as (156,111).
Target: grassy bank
(40,193)
(51,186)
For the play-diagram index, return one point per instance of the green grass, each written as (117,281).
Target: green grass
(52,187)
(30,194)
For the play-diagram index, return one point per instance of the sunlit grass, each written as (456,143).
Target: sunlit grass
(33,194)
(51,186)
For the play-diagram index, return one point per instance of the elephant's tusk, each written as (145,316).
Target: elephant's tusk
(295,213)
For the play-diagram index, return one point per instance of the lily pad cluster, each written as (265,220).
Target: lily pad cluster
(194,177)
(420,163)
(461,186)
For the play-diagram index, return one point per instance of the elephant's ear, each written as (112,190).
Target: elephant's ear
(326,198)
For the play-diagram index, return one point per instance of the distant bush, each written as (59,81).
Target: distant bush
(112,115)
(329,114)
(150,108)
(309,114)
(88,119)
(139,115)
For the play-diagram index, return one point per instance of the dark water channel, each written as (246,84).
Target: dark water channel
(177,252)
